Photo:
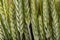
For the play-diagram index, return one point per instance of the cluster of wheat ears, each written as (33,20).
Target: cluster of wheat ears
(29,20)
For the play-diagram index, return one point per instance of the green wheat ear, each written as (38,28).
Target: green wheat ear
(1,30)
(11,19)
(55,20)
(3,21)
(40,18)
(47,27)
(19,16)
(34,19)
(27,20)
(1,33)
(58,11)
